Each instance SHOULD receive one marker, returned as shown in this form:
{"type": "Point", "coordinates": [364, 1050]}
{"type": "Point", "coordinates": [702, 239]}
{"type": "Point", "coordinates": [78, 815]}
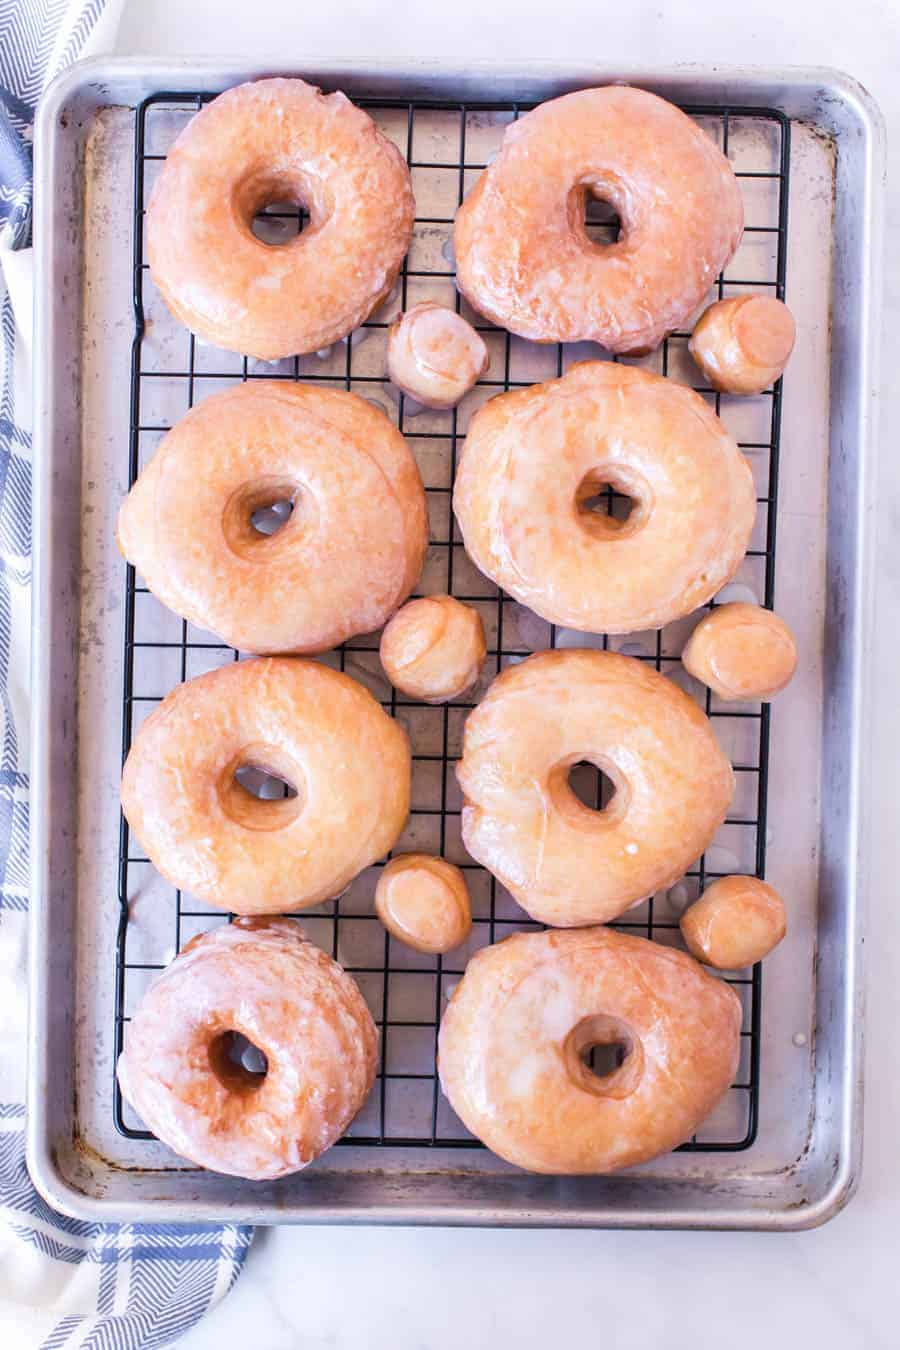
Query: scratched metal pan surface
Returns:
{"type": "Point", "coordinates": [796, 1161]}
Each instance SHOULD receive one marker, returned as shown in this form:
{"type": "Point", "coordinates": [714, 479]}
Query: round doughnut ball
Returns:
{"type": "Point", "coordinates": [434, 355]}
{"type": "Point", "coordinates": [424, 902]}
{"type": "Point", "coordinates": [564, 863]}
{"type": "Point", "coordinates": [278, 141]}
{"type": "Point", "coordinates": [313, 1037]}
{"type": "Point", "coordinates": [531, 493]}
{"type": "Point", "coordinates": [735, 923]}
{"type": "Point", "coordinates": [349, 552]}
{"type": "Point", "coordinates": [433, 649]}
{"type": "Point", "coordinates": [515, 1035]}
{"type": "Point", "coordinates": [317, 730]}
{"type": "Point", "coordinates": [525, 259]}
{"type": "Point", "coordinates": [742, 345]}
{"type": "Point", "coordinates": [741, 651]}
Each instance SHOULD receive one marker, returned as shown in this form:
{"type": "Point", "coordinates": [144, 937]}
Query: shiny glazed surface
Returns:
{"type": "Point", "coordinates": [312, 726]}
{"type": "Point", "coordinates": [435, 355]}
{"type": "Point", "coordinates": [524, 258]}
{"type": "Point", "coordinates": [347, 556]}
{"type": "Point", "coordinates": [424, 901]}
{"type": "Point", "coordinates": [741, 651]}
{"type": "Point", "coordinates": [533, 460]}
{"type": "Point", "coordinates": [742, 344]}
{"type": "Point", "coordinates": [735, 923]}
{"type": "Point", "coordinates": [564, 863]}
{"type": "Point", "coordinates": [265, 981]}
{"type": "Point", "coordinates": [527, 1010]}
{"type": "Point", "coordinates": [433, 648]}
{"type": "Point", "coordinates": [268, 141]}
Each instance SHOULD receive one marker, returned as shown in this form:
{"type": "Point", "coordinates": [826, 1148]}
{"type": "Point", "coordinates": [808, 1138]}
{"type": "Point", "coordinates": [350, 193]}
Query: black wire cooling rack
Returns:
{"type": "Point", "coordinates": [446, 144]}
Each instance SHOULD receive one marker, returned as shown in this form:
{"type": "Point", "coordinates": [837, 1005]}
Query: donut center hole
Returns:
{"type": "Point", "coordinates": [599, 498]}
{"type": "Point", "coordinates": [239, 1065]}
{"type": "Point", "coordinates": [277, 206]}
{"type": "Point", "coordinates": [602, 222]}
{"type": "Point", "coordinates": [268, 519]}
{"type": "Point", "coordinates": [263, 785]}
{"type": "Point", "coordinates": [611, 503]}
{"type": "Point", "coordinates": [605, 1059]}
{"type": "Point", "coordinates": [604, 1056]}
{"type": "Point", "coordinates": [258, 515]}
{"type": "Point", "coordinates": [278, 222]}
{"type": "Point", "coordinates": [261, 788]}
{"type": "Point", "coordinates": [589, 793]}
{"type": "Point", "coordinates": [590, 785]}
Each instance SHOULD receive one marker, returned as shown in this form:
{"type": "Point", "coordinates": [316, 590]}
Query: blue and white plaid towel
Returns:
{"type": "Point", "coordinates": [64, 1285]}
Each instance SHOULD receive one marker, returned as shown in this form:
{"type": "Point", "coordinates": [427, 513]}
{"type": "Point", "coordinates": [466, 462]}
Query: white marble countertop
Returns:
{"type": "Point", "coordinates": [435, 1288]}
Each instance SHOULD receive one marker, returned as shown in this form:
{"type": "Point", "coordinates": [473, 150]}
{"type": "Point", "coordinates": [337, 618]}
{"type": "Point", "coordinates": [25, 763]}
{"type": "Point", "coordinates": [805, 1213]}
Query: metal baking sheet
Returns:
{"type": "Point", "coordinates": [803, 1145]}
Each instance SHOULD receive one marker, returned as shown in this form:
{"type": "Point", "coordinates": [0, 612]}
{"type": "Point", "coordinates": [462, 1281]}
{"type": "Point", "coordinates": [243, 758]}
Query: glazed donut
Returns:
{"type": "Point", "coordinates": [524, 258]}
{"type": "Point", "coordinates": [564, 863]}
{"type": "Point", "coordinates": [742, 345]}
{"type": "Point", "coordinates": [312, 727]}
{"type": "Point", "coordinates": [318, 1043]}
{"type": "Point", "coordinates": [350, 552]}
{"type": "Point", "coordinates": [741, 652]}
{"type": "Point", "coordinates": [433, 648]}
{"type": "Point", "coordinates": [535, 458]}
{"type": "Point", "coordinates": [434, 355]}
{"type": "Point", "coordinates": [735, 923]}
{"type": "Point", "coordinates": [424, 902]}
{"type": "Point", "coordinates": [515, 1032]}
{"type": "Point", "coordinates": [278, 141]}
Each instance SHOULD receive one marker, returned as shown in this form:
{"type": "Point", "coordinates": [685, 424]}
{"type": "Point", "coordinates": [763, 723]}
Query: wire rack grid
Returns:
{"type": "Point", "coordinates": [447, 145]}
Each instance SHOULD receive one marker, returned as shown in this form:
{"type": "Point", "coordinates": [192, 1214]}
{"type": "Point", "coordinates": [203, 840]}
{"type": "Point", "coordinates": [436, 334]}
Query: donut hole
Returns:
{"type": "Point", "coordinates": [269, 519]}
{"type": "Point", "coordinates": [589, 792]}
{"type": "Point", "coordinates": [263, 785]}
{"type": "Point", "coordinates": [239, 1065]}
{"type": "Point", "coordinates": [604, 1056]}
{"type": "Point", "coordinates": [261, 788]}
{"type": "Point", "coordinates": [603, 1060]}
{"type": "Point", "coordinates": [277, 207]}
{"type": "Point", "coordinates": [605, 501]}
{"type": "Point", "coordinates": [264, 516]}
{"type": "Point", "coordinates": [592, 787]}
{"type": "Point", "coordinates": [612, 503]}
{"type": "Point", "coordinates": [602, 222]}
{"type": "Point", "coordinates": [279, 222]}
